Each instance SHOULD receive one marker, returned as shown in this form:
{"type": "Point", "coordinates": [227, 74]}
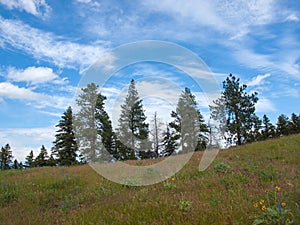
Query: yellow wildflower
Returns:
{"type": "Point", "coordinates": [263, 208]}
{"type": "Point", "coordinates": [255, 205]}
{"type": "Point", "coordinates": [277, 188]}
{"type": "Point", "coordinates": [173, 179]}
{"type": "Point", "coordinates": [262, 202]}
{"type": "Point", "coordinates": [283, 204]}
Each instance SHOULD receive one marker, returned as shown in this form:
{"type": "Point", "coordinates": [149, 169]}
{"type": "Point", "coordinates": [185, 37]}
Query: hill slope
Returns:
{"type": "Point", "coordinates": [223, 194]}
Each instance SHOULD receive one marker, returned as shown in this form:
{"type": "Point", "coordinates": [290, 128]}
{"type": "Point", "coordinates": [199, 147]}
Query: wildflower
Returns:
{"type": "Point", "coordinates": [263, 208]}
{"type": "Point", "coordinates": [173, 179]}
{"type": "Point", "coordinates": [277, 188]}
{"type": "Point", "coordinates": [255, 205]}
{"type": "Point", "coordinates": [262, 202]}
{"type": "Point", "coordinates": [283, 204]}
{"type": "Point", "coordinates": [279, 207]}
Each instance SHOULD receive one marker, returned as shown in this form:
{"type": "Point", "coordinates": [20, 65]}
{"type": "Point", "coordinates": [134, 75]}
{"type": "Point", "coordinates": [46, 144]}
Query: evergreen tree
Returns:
{"type": "Point", "coordinates": [282, 125]}
{"type": "Point", "coordinates": [188, 124]}
{"type": "Point", "coordinates": [239, 109]}
{"type": "Point", "coordinates": [41, 159]}
{"type": "Point", "coordinates": [105, 131]}
{"type": "Point", "coordinates": [15, 164]}
{"type": "Point", "coordinates": [169, 142]}
{"type": "Point", "coordinates": [133, 130]}
{"type": "Point", "coordinates": [65, 145]}
{"type": "Point", "coordinates": [294, 124]}
{"type": "Point", "coordinates": [268, 129]}
{"type": "Point", "coordinates": [85, 124]}
{"type": "Point", "coordinates": [29, 160]}
{"type": "Point", "coordinates": [5, 157]}
{"type": "Point", "coordinates": [255, 133]}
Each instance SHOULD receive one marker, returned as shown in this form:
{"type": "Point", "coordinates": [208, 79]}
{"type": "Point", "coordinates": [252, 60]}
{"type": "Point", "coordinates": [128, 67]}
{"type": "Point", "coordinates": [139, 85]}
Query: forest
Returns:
{"type": "Point", "coordinates": [88, 135]}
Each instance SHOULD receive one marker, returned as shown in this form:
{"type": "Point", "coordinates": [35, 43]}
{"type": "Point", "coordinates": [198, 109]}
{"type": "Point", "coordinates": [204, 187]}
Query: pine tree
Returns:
{"type": "Point", "coordinates": [87, 136]}
{"type": "Point", "coordinates": [15, 164]}
{"type": "Point", "coordinates": [169, 142]}
{"type": "Point", "coordinates": [133, 130]}
{"type": "Point", "coordinates": [105, 131]}
{"type": "Point", "coordinates": [255, 133]}
{"type": "Point", "coordinates": [238, 107]}
{"type": "Point", "coordinates": [29, 160]}
{"type": "Point", "coordinates": [41, 159]}
{"type": "Point", "coordinates": [65, 144]}
{"type": "Point", "coordinates": [282, 125]}
{"type": "Point", "coordinates": [188, 123]}
{"type": "Point", "coordinates": [268, 129]}
{"type": "Point", "coordinates": [295, 124]}
{"type": "Point", "coordinates": [5, 157]}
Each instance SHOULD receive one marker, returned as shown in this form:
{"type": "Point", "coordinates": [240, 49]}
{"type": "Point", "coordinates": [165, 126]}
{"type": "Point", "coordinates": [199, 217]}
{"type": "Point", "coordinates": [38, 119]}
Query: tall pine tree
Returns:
{"type": "Point", "coordinates": [29, 160]}
{"type": "Point", "coordinates": [239, 109]}
{"type": "Point", "coordinates": [268, 129]}
{"type": "Point", "coordinates": [85, 124]}
{"type": "Point", "coordinates": [105, 131]}
{"type": "Point", "coordinates": [65, 145]}
{"type": "Point", "coordinates": [5, 157]}
{"type": "Point", "coordinates": [133, 131]}
{"type": "Point", "coordinates": [188, 124]}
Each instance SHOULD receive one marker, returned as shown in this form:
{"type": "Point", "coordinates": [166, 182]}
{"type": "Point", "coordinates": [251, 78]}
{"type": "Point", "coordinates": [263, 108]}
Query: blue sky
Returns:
{"type": "Point", "coordinates": [46, 45]}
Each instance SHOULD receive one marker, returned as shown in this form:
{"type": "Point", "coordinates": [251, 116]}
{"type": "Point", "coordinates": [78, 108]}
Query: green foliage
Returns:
{"type": "Point", "coordinates": [84, 122]}
{"type": "Point", "coordinates": [273, 210]}
{"type": "Point", "coordinates": [29, 159]}
{"type": "Point", "coordinates": [65, 146]}
{"type": "Point", "coordinates": [8, 193]}
{"type": "Point", "coordinates": [105, 131]}
{"type": "Point", "coordinates": [5, 157]}
{"type": "Point", "coordinates": [42, 159]}
{"type": "Point", "coordinates": [169, 184]}
{"type": "Point", "coordinates": [222, 167]}
{"type": "Point", "coordinates": [237, 108]}
{"type": "Point", "coordinates": [133, 131]}
{"type": "Point", "coordinates": [185, 205]}
{"type": "Point", "coordinates": [188, 127]}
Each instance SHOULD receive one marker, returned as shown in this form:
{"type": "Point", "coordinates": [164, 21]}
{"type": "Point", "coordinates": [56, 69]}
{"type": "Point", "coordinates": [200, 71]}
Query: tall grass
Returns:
{"type": "Point", "coordinates": [223, 194]}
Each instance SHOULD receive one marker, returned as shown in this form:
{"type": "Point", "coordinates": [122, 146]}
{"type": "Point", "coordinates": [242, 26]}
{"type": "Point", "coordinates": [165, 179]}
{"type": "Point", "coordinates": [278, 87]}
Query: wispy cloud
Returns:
{"type": "Point", "coordinates": [47, 46]}
{"type": "Point", "coordinates": [258, 80]}
{"type": "Point", "coordinates": [38, 8]}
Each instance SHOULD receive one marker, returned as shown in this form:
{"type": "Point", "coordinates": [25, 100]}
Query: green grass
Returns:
{"type": "Point", "coordinates": [223, 194]}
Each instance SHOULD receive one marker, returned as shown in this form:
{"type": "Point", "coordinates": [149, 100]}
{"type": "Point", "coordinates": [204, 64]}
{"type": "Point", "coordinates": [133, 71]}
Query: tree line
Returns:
{"type": "Point", "coordinates": [88, 136]}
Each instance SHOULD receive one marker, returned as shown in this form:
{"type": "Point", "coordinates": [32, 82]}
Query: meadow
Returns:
{"type": "Point", "coordinates": [258, 183]}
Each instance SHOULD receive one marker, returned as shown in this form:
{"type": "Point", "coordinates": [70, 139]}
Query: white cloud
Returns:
{"type": "Point", "coordinates": [264, 105]}
{"type": "Point", "coordinates": [35, 99]}
{"type": "Point", "coordinates": [258, 80]}
{"type": "Point", "coordinates": [8, 90]}
{"type": "Point", "coordinates": [278, 62]}
{"type": "Point", "coordinates": [34, 7]}
{"type": "Point", "coordinates": [33, 75]}
{"type": "Point", "coordinates": [293, 18]}
{"type": "Point", "coordinates": [46, 46]}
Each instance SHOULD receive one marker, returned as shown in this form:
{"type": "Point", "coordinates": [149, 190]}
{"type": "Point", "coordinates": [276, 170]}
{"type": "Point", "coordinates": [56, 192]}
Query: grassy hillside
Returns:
{"type": "Point", "coordinates": [227, 193]}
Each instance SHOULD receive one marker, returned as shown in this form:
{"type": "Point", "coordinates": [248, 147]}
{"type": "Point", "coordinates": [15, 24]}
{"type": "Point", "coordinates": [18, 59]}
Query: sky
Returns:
{"type": "Point", "coordinates": [46, 46]}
